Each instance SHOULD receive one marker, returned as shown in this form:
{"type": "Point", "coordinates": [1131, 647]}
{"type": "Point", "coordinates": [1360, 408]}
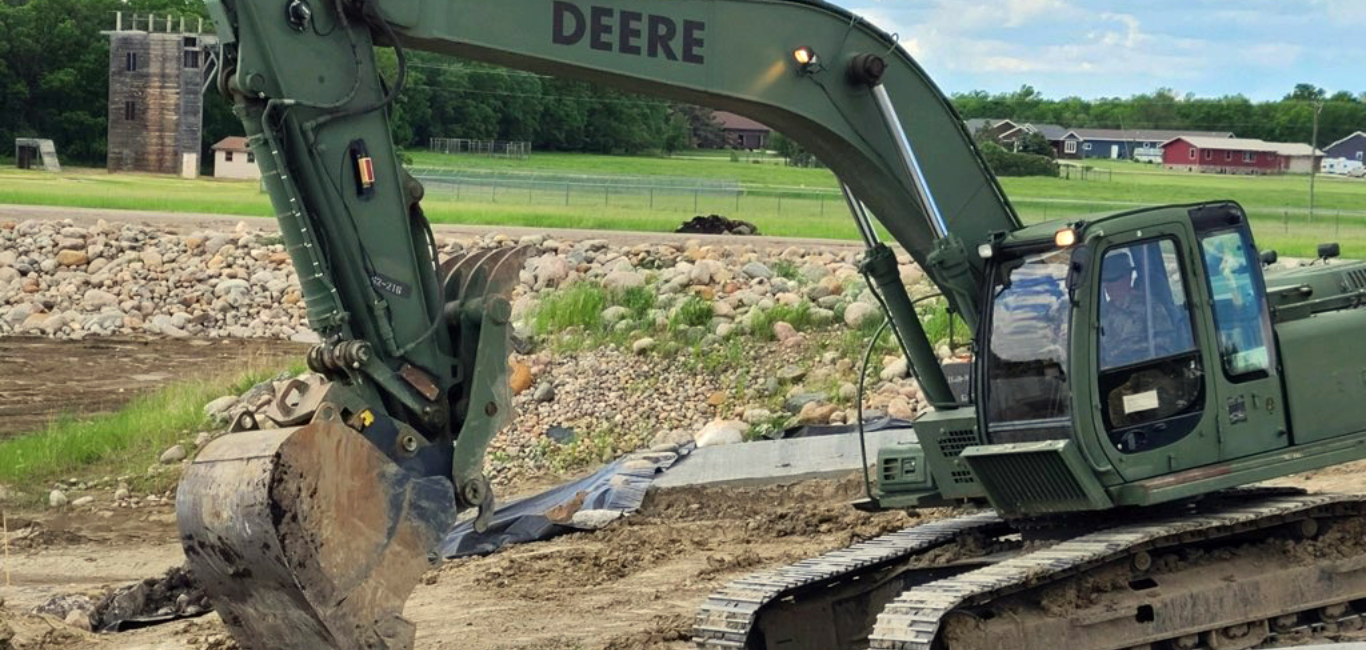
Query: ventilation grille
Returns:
{"type": "Point", "coordinates": [953, 443]}
{"type": "Point", "coordinates": [1030, 482]}
{"type": "Point", "coordinates": [891, 470]}
{"type": "Point", "coordinates": [1355, 279]}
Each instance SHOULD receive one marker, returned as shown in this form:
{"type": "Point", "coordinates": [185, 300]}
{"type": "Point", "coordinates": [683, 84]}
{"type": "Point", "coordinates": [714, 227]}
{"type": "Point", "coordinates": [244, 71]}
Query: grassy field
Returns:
{"type": "Point", "coordinates": [121, 443]}
{"type": "Point", "coordinates": [618, 192]}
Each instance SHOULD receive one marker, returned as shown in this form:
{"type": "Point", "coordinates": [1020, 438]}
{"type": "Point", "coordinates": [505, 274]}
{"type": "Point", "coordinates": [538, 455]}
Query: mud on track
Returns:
{"type": "Point", "coordinates": [42, 379]}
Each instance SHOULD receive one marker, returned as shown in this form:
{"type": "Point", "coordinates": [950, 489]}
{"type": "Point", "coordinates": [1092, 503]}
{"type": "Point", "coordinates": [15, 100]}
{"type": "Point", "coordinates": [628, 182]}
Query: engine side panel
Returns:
{"type": "Point", "coordinates": [1324, 366]}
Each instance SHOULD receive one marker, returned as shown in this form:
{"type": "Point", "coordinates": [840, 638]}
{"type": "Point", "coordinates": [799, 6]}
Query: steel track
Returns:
{"type": "Point", "coordinates": [737, 615]}
{"type": "Point", "coordinates": [1216, 620]}
{"type": "Point", "coordinates": [727, 620]}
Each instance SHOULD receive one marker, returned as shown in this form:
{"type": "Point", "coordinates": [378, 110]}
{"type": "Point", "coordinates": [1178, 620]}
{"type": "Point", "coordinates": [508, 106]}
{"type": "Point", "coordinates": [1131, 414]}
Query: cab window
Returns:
{"type": "Point", "coordinates": [1239, 312]}
{"type": "Point", "coordinates": [1151, 378]}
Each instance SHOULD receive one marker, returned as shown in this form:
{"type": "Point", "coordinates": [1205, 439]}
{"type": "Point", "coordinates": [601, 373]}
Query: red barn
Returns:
{"type": "Point", "coordinates": [1223, 155]}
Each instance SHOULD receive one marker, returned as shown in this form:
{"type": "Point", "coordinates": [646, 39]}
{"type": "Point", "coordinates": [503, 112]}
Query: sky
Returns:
{"type": "Point", "coordinates": [1108, 48]}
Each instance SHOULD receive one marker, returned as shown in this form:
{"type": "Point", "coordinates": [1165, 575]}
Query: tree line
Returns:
{"type": "Point", "coordinates": [1289, 119]}
{"type": "Point", "coordinates": [54, 84]}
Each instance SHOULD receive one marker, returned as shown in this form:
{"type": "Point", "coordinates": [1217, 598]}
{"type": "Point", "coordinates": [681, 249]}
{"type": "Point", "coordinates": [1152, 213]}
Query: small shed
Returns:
{"type": "Point", "coordinates": [27, 151]}
{"type": "Point", "coordinates": [742, 132]}
{"type": "Point", "coordinates": [232, 158]}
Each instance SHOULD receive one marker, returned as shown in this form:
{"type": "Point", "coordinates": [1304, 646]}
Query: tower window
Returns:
{"type": "Point", "coordinates": [191, 58]}
{"type": "Point", "coordinates": [130, 61]}
{"type": "Point", "coordinates": [130, 110]}
{"type": "Point", "coordinates": [191, 41]}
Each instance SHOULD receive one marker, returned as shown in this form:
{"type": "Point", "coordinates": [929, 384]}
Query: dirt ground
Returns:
{"type": "Point", "coordinates": [41, 378]}
{"type": "Point", "coordinates": [630, 587]}
{"type": "Point", "coordinates": [633, 586]}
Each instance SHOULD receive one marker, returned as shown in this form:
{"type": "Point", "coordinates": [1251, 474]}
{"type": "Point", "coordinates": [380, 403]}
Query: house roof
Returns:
{"type": "Point", "coordinates": [1049, 131]}
{"type": "Point", "coordinates": [1145, 135]}
{"type": "Point", "coordinates": [1357, 134]}
{"type": "Point", "coordinates": [1246, 144]}
{"type": "Point", "coordinates": [978, 123]}
{"type": "Point", "coordinates": [737, 122]}
{"type": "Point", "coordinates": [231, 143]}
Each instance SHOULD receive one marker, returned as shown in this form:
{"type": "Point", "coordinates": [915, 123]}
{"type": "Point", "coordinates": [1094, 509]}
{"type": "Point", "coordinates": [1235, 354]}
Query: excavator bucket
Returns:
{"type": "Point", "coordinates": [310, 538]}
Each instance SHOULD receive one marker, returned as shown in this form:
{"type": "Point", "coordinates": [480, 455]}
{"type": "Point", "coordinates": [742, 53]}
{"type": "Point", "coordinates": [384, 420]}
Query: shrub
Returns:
{"type": "Point", "coordinates": [1006, 163]}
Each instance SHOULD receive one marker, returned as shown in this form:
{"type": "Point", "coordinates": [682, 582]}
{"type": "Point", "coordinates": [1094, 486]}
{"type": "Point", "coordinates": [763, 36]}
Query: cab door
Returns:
{"type": "Point", "coordinates": [1247, 382]}
{"type": "Point", "coordinates": [1154, 402]}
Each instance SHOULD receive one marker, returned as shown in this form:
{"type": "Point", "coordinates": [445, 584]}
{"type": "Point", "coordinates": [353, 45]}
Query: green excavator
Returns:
{"type": "Point", "coordinates": [1133, 373]}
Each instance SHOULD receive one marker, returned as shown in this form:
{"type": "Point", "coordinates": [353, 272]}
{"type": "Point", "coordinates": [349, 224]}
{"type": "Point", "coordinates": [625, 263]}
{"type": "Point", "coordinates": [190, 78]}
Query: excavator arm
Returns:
{"type": "Point", "coordinates": [312, 534]}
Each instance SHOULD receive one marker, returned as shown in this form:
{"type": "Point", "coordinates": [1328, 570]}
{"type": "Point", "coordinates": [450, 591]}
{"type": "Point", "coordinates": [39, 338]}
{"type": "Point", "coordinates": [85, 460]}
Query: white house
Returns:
{"type": "Point", "coordinates": [232, 158]}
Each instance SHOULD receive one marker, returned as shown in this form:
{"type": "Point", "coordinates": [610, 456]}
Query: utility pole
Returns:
{"type": "Point", "coordinates": [1314, 157]}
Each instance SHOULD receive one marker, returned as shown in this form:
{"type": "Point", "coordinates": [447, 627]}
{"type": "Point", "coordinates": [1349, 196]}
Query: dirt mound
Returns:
{"type": "Point", "coordinates": [661, 630]}
{"type": "Point", "coordinates": [715, 224]}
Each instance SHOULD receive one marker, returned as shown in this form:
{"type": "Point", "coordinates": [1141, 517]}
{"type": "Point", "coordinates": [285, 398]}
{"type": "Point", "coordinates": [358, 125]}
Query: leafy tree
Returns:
{"type": "Point", "coordinates": [703, 128]}
{"type": "Point", "coordinates": [1035, 143]}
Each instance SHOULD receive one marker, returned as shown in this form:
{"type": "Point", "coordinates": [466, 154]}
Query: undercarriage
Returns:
{"type": "Point", "coordinates": [1234, 570]}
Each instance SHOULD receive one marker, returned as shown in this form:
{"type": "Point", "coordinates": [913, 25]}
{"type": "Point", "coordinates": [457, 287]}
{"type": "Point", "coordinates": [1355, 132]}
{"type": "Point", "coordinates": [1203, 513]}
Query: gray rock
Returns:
{"type": "Point", "coordinates": [173, 455]}
{"type": "Point", "coordinates": [757, 416]}
{"type": "Point", "coordinates": [79, 620]}
{"type": "Point", "coordinates": [757, 270]}
{"type": "Point", "coordinates": [794, 403]}
{"type": "Point", "coordinates": [56, 499]}
{"type": "Point", "coordinates": [594, 519]}
{"type": "Point", "coordinates": [721, 432]}
{"type": "Point", "coordinates": [791, 373]}
{"type": "Point", "coordinates": [545, 392]}
{"type": "Point", "coordinates": [83, 501]}
{"type": "Point", "coordinates": [615, 314]}
{"type": "Point", "coordinates": [202, 439]}
{"type": "Point", "coordinates": [231, 286]}
{"type": "Point", "coordinates": [217, 410]}
{"type": "Point", "coordinates": [121, 494]}
{"type": "Point", "coordinates": [856, 313]}
{"type": "Point", "coordinates": [894, 370]}
{"type": "Point", "coordinates": [642, 345]}
{"type": "Point", "coordinates": [623, 280]}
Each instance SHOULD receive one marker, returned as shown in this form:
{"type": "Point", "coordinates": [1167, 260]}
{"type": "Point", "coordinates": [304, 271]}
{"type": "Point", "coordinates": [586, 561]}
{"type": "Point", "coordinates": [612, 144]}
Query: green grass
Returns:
{"type": "Point", "coordinates": [780, 200]}
{"type": "Point", "coordinates": [692, 312]}
{"type": "Point", "coordinates": [577, 305]}
{"type": "Point", "coordinates": [123, 442]}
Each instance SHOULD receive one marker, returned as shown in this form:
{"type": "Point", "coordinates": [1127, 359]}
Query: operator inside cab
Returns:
{"type": "Point", "coordinates": [1134, 327]}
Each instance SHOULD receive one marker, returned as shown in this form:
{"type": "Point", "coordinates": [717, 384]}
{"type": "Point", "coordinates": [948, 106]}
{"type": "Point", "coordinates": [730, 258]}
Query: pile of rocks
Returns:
{"type": "Point", "coordinates": [62, 280]}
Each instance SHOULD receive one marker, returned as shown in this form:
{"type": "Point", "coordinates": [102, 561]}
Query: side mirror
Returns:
{"type": "Point", "coordinates": [1076, 270]}
{"type": "Point", "coordinates": [1269, 257]}
{"type": "Point", "coordinates": [1329, 250]}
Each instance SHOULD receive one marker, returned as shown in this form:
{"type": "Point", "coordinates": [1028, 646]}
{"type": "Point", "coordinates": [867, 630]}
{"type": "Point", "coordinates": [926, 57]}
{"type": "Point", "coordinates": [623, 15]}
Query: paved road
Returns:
{"type": "Point", "coordinates": [187, 222]}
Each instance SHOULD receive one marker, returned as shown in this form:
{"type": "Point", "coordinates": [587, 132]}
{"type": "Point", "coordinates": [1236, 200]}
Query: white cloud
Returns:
{"type": "Point", "coordinates": [1094, 48]}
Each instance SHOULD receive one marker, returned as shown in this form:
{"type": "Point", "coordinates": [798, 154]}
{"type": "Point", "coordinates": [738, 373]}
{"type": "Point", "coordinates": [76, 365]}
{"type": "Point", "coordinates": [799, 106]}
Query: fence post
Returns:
{"type": "Point", "coordinates": [606, 196]}
{"type": "Point", "coordinates": [495, 191]}
{"type": "Point", "coordinates": [694, 201]}
{"type": "Point", "coordinates": [1285, 219]}
{"type": "Point", "coordinates": [566, 193]}
{"type": "Point", "coordinates": [822, 205]}
{"type": "Point", "coordinates": [457, 190]}
{"type": "Point", "coordinates": [652, 197]}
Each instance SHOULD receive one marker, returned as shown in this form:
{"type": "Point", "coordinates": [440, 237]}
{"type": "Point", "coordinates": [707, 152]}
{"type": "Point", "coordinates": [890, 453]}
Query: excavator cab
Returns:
{"type": "Point", "coordinates": [1098, 376]}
